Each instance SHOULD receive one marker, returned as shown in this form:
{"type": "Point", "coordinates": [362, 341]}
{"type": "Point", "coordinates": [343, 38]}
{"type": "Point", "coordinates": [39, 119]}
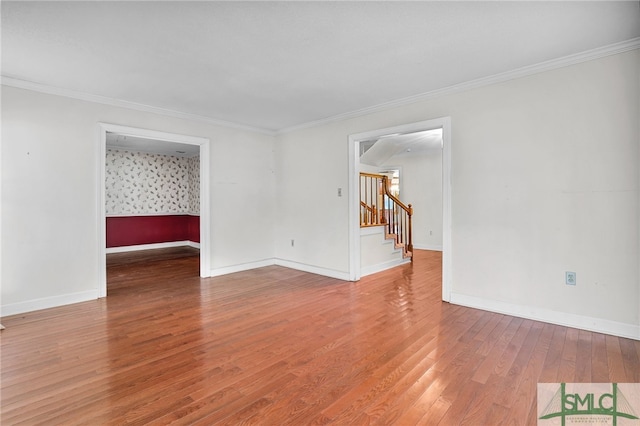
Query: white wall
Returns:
{"type": "Point", "coordinates": [366, 168]}
{"type": "Point", "coordinates": [378, 253]}
{"type": "Point", "coordinates": [544, 180]}
{"type": "Point", "coordinates": [421, 183]}
{"type": "Point", "coordinates": [309, 171]}
{"type": "Point", "coordinates": [49, 187]}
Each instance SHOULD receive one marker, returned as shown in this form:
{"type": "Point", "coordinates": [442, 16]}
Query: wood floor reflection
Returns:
{"type": "Point", "coordinates": [276, 346]}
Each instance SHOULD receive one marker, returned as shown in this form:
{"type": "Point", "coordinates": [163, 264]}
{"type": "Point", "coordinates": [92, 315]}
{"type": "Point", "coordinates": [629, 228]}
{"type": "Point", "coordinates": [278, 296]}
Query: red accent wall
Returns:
{"type": "Point", "coordinates": [193, 228]}
{"type": "Point", "coordinates": [135, 230]}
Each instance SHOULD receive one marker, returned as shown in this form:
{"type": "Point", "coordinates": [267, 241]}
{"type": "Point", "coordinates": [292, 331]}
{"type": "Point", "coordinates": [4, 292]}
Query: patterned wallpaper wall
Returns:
{"type": "Point", "coordinates": [139, 183]}
{"type": "Point", "coordinates": [193, 173]}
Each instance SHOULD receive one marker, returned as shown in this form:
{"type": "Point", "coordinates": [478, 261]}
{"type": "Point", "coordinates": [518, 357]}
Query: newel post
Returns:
{"type": "Point", "coordinates": [383, 193]}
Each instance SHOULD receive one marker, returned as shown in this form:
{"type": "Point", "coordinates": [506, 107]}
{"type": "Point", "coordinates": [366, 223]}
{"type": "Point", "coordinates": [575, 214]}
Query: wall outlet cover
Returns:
{"type": "Point", "coordinates": [570, 278]}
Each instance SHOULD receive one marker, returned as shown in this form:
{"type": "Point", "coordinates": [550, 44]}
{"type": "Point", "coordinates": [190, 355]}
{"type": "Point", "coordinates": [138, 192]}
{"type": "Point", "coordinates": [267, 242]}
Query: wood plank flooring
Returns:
{"type": "Point", "coordinates": [275, 346]}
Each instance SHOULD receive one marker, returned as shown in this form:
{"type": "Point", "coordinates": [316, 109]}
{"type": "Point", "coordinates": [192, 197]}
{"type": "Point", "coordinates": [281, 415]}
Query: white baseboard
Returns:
{"type": "Point", "coordinates": [313, 269]}
{"type": "Point", "coordinates": [427, 247]}
{"type": "Point", "coordinates": [280, 262]}
{"type": "Point", "coordinates": [152, 214]}
{"type": "Point", "coordinates": [241, 267]}
{"type": "Point", "coordinates": [630, 331]}
{"type": "Point", "coordinates": [152, 246]}
{"type": "Point", "coordinates": [47, 302]}
{"type": "Point", "coordinates": [368, 270]}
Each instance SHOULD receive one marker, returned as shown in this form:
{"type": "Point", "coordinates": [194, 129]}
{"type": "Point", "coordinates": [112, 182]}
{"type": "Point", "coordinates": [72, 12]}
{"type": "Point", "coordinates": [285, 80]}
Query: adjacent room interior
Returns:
{"type": "Point", "coordinates": [152, 199]}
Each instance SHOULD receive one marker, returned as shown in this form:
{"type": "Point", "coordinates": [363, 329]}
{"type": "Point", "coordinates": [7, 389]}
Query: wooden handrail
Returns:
{"type": "Point", "coordinates": [387, 188]}
{"type": "Point", "coordinates": [373, 175]}
{"type": "Point", "coordinates": [363, 204]}
{"type": "Point", "coordinates": [370, 215]}
{"type": "Point", "coordinates": [385, 179]}
{"type": "Point", "coordinates": [375, 190]}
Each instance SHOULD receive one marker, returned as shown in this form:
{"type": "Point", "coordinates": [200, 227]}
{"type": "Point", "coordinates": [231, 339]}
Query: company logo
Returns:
{"type": "Point", "coordinates": [588, 403]}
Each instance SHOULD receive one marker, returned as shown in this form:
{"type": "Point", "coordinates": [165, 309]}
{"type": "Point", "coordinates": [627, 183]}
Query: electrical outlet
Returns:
{"type": "Point", "coordinates": [570, 278]}
{"type": "Point", "coordinates": [292, 242]}
{"type": "Point", "coordinates": [339, 192]}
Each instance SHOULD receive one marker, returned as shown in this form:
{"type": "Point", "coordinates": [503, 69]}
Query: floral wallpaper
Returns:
{"type": "Point", "coordinates": [139, 183]}
{"type": "Point", "coordinates": [193, 164]}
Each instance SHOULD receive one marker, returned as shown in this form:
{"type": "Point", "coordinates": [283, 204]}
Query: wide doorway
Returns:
{"type": "Point", "coordinates": [371, 148]}
{"type": "Point", "coordinates": [153, 189]}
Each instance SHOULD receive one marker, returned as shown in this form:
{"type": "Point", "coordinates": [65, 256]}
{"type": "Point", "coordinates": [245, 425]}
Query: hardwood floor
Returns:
{"type": "Point", "coordinates": [276, 346]}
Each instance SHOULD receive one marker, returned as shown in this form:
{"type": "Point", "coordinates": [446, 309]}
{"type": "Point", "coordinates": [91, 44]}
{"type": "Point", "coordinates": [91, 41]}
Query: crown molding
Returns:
{"type": "Point", "coordinates": [67, 93]}
{"type": "Point", "coordinates": [577, 58]}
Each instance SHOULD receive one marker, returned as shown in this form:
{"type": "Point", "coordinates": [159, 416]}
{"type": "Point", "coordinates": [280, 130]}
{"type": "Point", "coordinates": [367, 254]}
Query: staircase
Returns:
{"type": "Point", "coordinates": [379, 207]}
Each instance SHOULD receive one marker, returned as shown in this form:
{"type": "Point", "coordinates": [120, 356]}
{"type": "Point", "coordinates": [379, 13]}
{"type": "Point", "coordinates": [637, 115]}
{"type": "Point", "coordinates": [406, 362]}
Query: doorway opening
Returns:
{"type": "Point", "coordinates": [394, 174]}
{"type": "Point", "coordinates": [156, 155]}
{"type": "Point", "coordinates": [364, 145]}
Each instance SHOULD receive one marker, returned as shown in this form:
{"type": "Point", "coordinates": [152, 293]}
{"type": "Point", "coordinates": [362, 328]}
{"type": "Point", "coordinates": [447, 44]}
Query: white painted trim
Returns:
{"type": "Point", "coordinates": [372, 269]}
{"type": "Point", "coordinates": [574, 59]}
{"type": "Point", "coordinates": [67, 93]}
{"type": "Point", "coordinates": [101, 209]}
{"type": "Point", "coordinates": [313, 269]}
{"type": "Point", "coordinates": [447, 228]}
{"type": "Point", "coordinates": [354, 207]}
{"type": "Point", "coordinates": [427, 247]}
{"type": "Point", "coordinates": [1, 239]}
{"type": "Point", "coordinates": [48, 302]}
{"type": "Point", "coordinates": [205, 207]}
{"type": "Point", "coordinates": [280, 262]}
{"type": "Point", "coordinates": [630, 331]}
{"type": "Point", "coordinates": [138, 247]}
{"type": "Point", "coordinates": [354, 203]}
{"type": "Point", "coordinates": [241, 267]}
{"type": "Point", "coordinates": [152, 214]}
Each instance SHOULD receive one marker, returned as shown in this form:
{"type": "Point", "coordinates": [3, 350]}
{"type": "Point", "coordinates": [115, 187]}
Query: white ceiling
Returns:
{"type": "Point", "coordinates": [275, 65]}
{"type": "Point", "coordinates": [417, 143]}
{"type": "Point", "coordinates": [133, 143]}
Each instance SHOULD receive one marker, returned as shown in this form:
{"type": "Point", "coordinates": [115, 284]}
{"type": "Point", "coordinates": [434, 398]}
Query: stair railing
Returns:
{"type": "Point", "coordinates": [378, 206]}
{"type": "Point", "coordinates": [368, 215]}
